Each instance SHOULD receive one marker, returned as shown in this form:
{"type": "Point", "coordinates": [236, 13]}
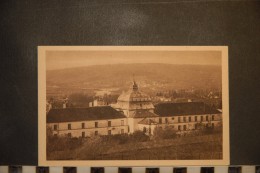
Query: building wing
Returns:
{"type": "Point", "coordinates": [83, 114]}
{"type": "Point", "coordinates": [188, 108]}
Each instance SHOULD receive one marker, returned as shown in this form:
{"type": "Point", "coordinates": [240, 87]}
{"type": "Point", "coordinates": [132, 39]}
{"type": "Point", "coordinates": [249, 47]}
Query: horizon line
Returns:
{"type": "Point", "coordinates": [132, 64]}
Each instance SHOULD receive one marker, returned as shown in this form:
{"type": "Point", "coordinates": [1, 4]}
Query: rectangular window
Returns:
{"type": "Point", "coordinates": [207, 118]}
{"type": "Point", "coordinates": [83, 125]}
{"type": "Point", "coordinates": [69, 135]}
{"type": "Point", "coordinates": [55, 127]}
{"type": "Point", "coordinates": [83, 134]}
{"type": "Point", "coordinates": [109, 124]}
{"type": "Point", "coordinates": [160, 120]}
{"type": "Point", "coordinates": [184, 127]}
{"type": "Point", "coordinates": [166, 120]}
{"type": "Point", "coordinates": [96, 124]}
{"type": "Point", "coordinates": [179, 127]}
{"type": "Point", "coordinates": [184, 119]}
{"type": "Point", "coordinates": [109, 132]}
{"type": "Point", "coordinates": [172, 118]}
{"type": "Point", "coordinates": [122, 131]}
{"type": "Point", "coordinates": [179, 119]}
{"type": "Point", "coordinates": [213, 117]}
{"type": "Point", "coordinates": [122, 122]}
{"type": "Point", "coordinates": [196, 118]}
{"type": "Point", "coordinates": [201, 118]}
{"type": "Point", "coordinates": [69, 126]}
{"type": "Point", "coordinates": [189, 119]}
{"type": "Point", "coordinates": [144, 129]}
{"type": "Point", "coordinates": [96, 132]}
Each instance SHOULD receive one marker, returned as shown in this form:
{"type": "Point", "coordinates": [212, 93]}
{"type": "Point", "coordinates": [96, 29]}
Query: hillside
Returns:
{"type": "Point", "coordinates": [152, 76]}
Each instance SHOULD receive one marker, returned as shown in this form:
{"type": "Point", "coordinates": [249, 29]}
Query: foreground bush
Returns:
{"type": "Point", "coordinates": [166, 133]}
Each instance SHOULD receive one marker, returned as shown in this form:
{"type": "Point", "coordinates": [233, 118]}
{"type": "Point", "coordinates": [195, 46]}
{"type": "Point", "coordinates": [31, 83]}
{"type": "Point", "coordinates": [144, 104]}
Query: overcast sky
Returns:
{"type": "Point", "coordinates": [69, 59]}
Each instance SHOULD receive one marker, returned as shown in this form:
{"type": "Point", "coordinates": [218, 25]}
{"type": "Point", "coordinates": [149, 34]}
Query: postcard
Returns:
{"type": "Point", "coordinates": [133, 105]}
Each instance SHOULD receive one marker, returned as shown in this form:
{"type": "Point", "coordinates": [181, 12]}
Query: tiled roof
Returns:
{"type": "Point", "coordinates": [143, 114]}
{"type": "Point", "coordinates": [147, 121]}
{"type": "Point", "coordinates": [190, 108]}
{"type": "Point", "coordinates": [83, 114]}
{"type": "Point", "coordinates": [134, 95]}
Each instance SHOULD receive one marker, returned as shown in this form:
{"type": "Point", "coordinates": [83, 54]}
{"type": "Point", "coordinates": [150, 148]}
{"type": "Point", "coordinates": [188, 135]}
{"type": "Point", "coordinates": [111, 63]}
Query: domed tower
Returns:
{"type": "Point", "coordinates": [137, 106]}
{"type": "Point", "coordinates": [134, 101]}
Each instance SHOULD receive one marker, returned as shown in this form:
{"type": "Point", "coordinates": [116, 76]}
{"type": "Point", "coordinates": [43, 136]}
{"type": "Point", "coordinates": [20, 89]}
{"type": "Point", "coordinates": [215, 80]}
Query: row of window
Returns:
{"type": "Point", "coordinates": [166, 120]}
{"type": "Point", "coordinates": [184, 127]}
{"type": "Point", "coordinates": [109, 132]}
{"type": "Point", "coordinates": [188, 119]}
{"type": "Point", "coordinates": [83, 126]}
{"type": "Point", "coordinates": [140, 99]}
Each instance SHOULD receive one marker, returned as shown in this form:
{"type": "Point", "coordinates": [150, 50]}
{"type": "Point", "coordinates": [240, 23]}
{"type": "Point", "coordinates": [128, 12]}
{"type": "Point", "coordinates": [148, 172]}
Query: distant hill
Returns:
{"type": "Point", "coordinates": [147, 75]}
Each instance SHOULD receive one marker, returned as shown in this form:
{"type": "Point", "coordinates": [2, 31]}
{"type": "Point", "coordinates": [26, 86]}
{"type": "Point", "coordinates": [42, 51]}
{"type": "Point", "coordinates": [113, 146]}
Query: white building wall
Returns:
{"type": "Point", "coordinates": [102, 127]}
{"type": "Point", "coordinates": [189, 121]}
{"type": "Point", "coordinates": [152, 127]}
{"type": "Point", "coordinates": [129, 125]}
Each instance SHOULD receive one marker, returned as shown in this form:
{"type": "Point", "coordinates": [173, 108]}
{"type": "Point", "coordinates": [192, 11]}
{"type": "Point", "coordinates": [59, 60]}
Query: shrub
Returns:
{"type": "Point", "coordinates": [61, 143]}
{"type": "Point", "coordinates": [116, 139]}
{"type": "Point", "coordinates": [139, 136]}
{"type": "Point", "coordinates": [166, 133]}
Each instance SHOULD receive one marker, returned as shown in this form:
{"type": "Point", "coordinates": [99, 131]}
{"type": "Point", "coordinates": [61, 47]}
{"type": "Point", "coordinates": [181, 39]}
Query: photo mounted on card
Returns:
{"type": "Point", "coordinates": [133, 105]}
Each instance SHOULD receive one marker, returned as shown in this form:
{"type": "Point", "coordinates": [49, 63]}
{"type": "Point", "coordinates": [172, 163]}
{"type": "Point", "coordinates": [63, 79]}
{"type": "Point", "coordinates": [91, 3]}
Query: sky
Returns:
{"type": "Point", "coordinates": [69, 59]}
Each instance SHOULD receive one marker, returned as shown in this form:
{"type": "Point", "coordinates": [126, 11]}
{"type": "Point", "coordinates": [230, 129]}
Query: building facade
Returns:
{"type": "Point", "coordinates": [133, 111]}
{"type": "Point", "coordinates": [83, 122]}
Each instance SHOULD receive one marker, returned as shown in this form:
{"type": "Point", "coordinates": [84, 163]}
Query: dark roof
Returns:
{"type": "Point", "coordinates": [143, 114]}
{"type": "Point", "coordinates": [188, 108]}
{"type": "Point", "coordinates": [83, 114]}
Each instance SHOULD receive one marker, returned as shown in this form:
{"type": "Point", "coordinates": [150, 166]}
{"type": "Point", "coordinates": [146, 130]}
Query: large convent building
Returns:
{"type": "Point", "coordinates": [133, 111]}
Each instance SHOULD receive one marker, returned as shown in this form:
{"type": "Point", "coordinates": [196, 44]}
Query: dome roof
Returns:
{"type": "Point", "coordinates": [134, 95]}
{"type": "Point", "coordinates": [135, 100]}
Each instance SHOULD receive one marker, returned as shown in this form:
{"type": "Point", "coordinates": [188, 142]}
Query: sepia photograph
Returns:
{"type": "Point", "coordinates": [133, 105]}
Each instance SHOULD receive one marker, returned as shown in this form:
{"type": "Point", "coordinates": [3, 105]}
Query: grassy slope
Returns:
{"type": "Point", "coordinates": [197, 147]}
